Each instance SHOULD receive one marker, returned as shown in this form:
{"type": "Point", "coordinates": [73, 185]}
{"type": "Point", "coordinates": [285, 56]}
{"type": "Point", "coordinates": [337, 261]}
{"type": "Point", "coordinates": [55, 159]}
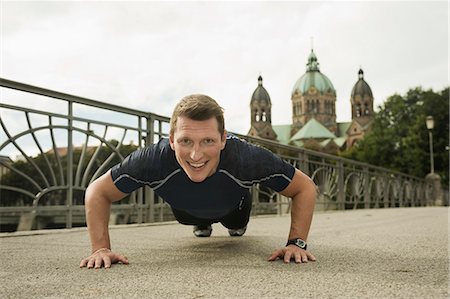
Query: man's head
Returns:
{"type": "Point", "coordinates": [197, 135]}
{"type": "Point", "coordinates": [198, 107]}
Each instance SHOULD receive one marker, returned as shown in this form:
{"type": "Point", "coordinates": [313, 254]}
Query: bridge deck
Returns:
{"type": "Point", "coordinates": [383, 253]}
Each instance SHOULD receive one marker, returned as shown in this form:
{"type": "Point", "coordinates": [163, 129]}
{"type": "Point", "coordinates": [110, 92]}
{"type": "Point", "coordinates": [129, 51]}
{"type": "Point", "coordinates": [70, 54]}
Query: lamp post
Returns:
{"type": "Point", "coordinates": [433, 178]}
{"type": "Point", "coordinates": [430, 126]}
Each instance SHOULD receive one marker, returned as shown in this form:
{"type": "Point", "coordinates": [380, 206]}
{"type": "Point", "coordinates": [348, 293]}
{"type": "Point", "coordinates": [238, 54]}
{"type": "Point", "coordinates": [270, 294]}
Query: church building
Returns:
{"type": "Point", "coordinates": [260, 110]}
{"type": "Point", "coordinates": [314, 113]}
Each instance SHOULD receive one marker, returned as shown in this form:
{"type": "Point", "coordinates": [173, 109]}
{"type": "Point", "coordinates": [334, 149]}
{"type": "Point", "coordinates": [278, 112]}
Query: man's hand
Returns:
{"type": "Point", "coordinates": [103, 257]}
{"type": "Point", "coordinates": [292, 252]}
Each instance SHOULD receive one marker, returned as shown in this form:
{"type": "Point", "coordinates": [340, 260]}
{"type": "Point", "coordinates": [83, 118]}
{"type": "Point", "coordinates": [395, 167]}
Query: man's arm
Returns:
{"type": "Point", "coordinates": [99, 196]}
{"type": "Point", "coordinates": [303, 192]}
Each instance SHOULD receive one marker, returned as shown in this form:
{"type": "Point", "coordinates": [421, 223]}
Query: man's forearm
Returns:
{"type": "Point", "coordinates": [97, 219]}
{"type": "Point", "coordinates": [302, 212]}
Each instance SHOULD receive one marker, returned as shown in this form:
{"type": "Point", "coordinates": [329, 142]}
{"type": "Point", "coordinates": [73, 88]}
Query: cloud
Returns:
{"type": "Point", "coordinates": [147, 55]}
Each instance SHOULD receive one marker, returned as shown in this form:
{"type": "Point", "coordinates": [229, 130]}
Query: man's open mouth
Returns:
{"type": "Point", "coordinates": [197, 165]}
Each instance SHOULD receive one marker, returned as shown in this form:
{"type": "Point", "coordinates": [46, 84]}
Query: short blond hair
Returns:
{"type": "Point", "coordinates": [198, 107]}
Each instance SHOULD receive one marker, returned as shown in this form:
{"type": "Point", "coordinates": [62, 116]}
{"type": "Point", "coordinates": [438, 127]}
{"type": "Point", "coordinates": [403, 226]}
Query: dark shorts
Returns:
{"type": "Point", "coordinates": [234, 220]}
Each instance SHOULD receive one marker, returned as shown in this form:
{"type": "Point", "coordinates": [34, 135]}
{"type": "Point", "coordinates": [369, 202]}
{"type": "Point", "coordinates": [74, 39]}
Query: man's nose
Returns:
{"type": "Point", "coordinates": [196, 153]}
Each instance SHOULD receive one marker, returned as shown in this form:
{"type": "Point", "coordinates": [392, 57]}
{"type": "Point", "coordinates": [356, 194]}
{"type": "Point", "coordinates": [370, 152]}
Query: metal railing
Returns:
{"type": "Point", "coordinates": [59, 152]}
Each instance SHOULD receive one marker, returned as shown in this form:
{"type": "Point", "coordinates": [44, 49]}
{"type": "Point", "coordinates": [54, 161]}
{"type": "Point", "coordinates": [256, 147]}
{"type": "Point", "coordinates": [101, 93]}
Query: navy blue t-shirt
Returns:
{"type": "Point", "coordinates": [241, 165]}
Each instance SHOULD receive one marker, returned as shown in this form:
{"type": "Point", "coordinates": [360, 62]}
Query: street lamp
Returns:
{"type": "Point", "coordinates": [430, 126]}
{"type": "Point", "coordinates": [433, 178]}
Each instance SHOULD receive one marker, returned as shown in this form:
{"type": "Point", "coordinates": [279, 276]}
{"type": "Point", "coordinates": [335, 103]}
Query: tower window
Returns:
{"type": "Point", "coordinates": [358, 110]}
{"type": "Point", "coordinates": [366, 109]}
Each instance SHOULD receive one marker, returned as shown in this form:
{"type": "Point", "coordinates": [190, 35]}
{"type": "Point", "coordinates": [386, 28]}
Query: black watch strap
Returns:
{"type": "Point", "coordinates": [297, 242]}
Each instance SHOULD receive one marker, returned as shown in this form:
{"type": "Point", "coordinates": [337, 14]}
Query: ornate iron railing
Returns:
{"type": "Point", "coordinates": [67, 142]}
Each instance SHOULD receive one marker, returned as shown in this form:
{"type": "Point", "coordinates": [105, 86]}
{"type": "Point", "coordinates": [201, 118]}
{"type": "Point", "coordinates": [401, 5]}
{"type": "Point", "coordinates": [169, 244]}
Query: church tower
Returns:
{"type": "Point", "coordinates": [313, 96]}
{"type": "Point", "coordinates": [361, 100]}
{"type": "Point", "coordinates": [260, 113]}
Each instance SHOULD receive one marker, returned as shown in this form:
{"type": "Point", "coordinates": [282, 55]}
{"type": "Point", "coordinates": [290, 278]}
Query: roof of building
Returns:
{"type": "Point", "coordinates": [340, 141]}
{"type": "Point", "coordinates": [364, 122]}
{"type": "Point", "coordinates": [342, 128]}
{"type": "Point", "coordinates": [313, 129]}
{"type": "Point", "coordinates": [325, 142]}
{"type": "Point", "coordinates": [313, 78]}
{"type": "Point", "coordinates": [260, 94]}
{"type": "Point", "coordinates": [298, 143]}
{"type": "Point", "coordinates": [283, 133]}
{"type": "Point", "coordinates": [361, 87]}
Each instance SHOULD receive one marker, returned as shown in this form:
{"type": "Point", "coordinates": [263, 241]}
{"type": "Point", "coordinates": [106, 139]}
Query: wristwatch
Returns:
{"type": "Point", "coordinates": [297, 242]}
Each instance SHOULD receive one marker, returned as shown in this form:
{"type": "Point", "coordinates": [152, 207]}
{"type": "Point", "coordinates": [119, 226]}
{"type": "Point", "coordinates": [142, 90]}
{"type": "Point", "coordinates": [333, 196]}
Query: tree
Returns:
{"type": "Point", "coordinates": [398, 138]}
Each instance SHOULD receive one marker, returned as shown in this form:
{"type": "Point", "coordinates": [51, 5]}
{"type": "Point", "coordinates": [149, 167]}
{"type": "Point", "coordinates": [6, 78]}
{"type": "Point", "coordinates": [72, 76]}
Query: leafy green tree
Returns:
{"type": "Point", "coordinates": [398, 138]}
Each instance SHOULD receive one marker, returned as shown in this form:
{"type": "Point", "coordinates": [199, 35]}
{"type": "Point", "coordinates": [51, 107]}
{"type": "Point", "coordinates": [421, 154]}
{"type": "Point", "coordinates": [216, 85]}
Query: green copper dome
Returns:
{"type": "Point", "coordinates": [313, 78]}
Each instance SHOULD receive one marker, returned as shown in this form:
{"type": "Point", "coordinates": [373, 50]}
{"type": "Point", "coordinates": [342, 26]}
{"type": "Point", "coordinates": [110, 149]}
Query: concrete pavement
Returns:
{"type": "Point", "coordinates": [382, 253]}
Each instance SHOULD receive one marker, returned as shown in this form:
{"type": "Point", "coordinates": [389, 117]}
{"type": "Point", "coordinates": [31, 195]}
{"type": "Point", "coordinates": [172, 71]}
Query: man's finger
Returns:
{"type": "Point", "coordinates": [83, 263]}
{"type": "Point", "coordinates": [98, 262]}
{"type": "Point", "coordinates": [277, 253]}
{"type": "Point", "coordinates": [123, 259]}
{"type": "Point", "coordinates": [311, 257]}
{"type": "Point", "coordinates": [298, 257]}
{"type": "Point", "coordinates": [287, 256]}
{"type": "Point", "coordinates": [273, 257]}
{"type": "Point", "coordinates": [90, 263]}
{"type": "Point", "coordinates": [107, 262]}
{"type": "Point", "coordinates": [304, 257]}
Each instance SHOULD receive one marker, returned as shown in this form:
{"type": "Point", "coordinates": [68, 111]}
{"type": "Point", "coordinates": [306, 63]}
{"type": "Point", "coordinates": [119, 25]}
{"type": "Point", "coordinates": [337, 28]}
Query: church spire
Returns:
{"type": "Point", "coordinates": [260, 79]}
{"type": "Point", "coordinates": [260, 113]}
{"type": "Point", "coordinates": [313, 64]}
{"type": "Point", "coordinates": [361, 74]}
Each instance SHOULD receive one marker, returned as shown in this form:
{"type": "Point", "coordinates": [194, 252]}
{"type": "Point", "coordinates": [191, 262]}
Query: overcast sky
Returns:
{"type": "Point", "coordinates": [147, 55]}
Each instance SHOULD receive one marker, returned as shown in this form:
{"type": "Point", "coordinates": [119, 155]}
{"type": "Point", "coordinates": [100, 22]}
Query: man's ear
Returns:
{"type": "Point", "coordinates": [171, 142]}
{"type": "Point", "coordinates": [224, 139]}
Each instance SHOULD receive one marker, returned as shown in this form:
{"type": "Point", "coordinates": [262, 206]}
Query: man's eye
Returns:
{"type": "Point", "coordinates": [209, 141]}
{"type": "Point", "coordinates": [185, 141]}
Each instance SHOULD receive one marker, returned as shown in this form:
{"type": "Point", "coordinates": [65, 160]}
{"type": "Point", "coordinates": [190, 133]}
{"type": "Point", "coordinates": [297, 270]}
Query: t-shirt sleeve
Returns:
{"type": "Point", "coordinates": [143, 167]}
{"type": "Point", "coordinates": [129, 174]}
{"type": "Point", "coordinates": [259, 165]}
{"type": "Point", "coordinates": [275, 173]}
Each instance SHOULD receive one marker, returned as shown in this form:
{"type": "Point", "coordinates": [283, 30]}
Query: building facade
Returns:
{"type": "Point", "coordinates": [314, 112]}
{"type": "Point", "coordinates": [313, 96]}
{"type": "Point", "coordinates": [261, 113]}
{"type": "Point", "coordinates": [362, 110]}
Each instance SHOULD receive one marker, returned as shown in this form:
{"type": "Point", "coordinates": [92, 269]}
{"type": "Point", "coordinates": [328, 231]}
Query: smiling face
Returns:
{"type": "Point", "coordinates": [197, 145]}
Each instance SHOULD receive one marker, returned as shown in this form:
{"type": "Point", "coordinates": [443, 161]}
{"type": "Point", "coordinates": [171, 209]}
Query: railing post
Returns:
{"type": "Point", "coordinates": [150, 132]}
{"type": "Point", "coordinates": [69, 193]}
{"type": "Point", "coordinates": [389, 188]}
{"type": "Point", "coordinates": [367, 191]}
{"type": "Point", "coordinates": [401, 193]}
{"type": "Point", "coordinates": [161, 209]}
{"type": "Point", "coordinates": [140, 192]}
{"type": "Point", "coordinates": [340, 183]}
{"type": "Point", "coordinates": [255, 200]}
{"type": "Point", "coordinates": [139, 206]}
{"type": "Point", "coordinates": [434, 180]}
{"type": "Point", "coordinates": [150, 197]}
{"type": "Point", "coordinates": [304, 162]}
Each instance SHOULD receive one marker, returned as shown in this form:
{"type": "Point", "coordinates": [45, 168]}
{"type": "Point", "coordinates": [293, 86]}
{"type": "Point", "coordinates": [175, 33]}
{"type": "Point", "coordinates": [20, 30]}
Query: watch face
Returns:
{"type": "Point", "coordinates": [300, 243]}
